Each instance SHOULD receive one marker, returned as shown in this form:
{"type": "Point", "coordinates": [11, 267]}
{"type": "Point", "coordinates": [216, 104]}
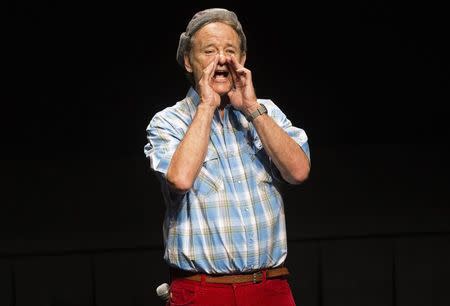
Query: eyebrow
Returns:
{"type": "Point", "coordinates": [213, 45]}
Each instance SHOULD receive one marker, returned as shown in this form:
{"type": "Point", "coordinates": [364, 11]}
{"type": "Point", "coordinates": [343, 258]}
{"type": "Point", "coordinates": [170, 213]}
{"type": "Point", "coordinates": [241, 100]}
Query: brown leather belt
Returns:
{"type": "Point", "coordinates": [254, 277]}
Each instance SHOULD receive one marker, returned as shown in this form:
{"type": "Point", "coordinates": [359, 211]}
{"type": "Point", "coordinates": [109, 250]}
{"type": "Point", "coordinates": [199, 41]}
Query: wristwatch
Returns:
{"type": "Point", "coordinates": [259, 111]}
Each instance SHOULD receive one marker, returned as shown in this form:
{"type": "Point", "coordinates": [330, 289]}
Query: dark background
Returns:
{"type": "Point", "coordinates": [367, 80]}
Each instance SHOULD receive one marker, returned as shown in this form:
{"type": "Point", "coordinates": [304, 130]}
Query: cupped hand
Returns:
{"type": "Point", "coordinates": [205, 91]}
{"type": "Point", "coordinates": [242, 96]}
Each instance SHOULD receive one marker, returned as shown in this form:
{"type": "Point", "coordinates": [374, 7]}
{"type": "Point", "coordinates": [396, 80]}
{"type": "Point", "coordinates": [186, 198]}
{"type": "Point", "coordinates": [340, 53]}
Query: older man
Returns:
{"type": "Point", "coordinates": [220, 154]}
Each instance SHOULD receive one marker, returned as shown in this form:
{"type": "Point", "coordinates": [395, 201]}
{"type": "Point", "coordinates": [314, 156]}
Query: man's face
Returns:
{"type": "Point", "coordinates": [214, 38]}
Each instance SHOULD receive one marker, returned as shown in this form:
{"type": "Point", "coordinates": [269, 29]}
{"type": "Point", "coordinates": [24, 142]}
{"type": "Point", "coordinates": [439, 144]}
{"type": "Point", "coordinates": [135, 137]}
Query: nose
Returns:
{"type": "Point", "coordinates": [222, 59]}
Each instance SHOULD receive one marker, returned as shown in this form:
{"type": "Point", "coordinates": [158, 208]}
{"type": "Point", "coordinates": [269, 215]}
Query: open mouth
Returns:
{"type": "Point", "coordinates": [221, 74]}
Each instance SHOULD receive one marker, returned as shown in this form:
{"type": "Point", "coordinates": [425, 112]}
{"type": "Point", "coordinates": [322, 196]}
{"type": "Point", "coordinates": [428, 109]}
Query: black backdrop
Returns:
{"type": "Point", "coordinates": [367, 80]}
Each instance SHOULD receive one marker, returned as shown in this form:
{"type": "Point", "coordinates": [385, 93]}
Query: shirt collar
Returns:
{"type": "Point", "coordinates": [193, 96]}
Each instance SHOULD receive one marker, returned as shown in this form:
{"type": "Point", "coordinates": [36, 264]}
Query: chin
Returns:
{"type": "Point", "coordinates": [222, 89]}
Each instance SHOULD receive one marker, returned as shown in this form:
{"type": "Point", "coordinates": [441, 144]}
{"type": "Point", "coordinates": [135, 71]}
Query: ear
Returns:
{"type": "Point", "coordinates": [187, 63]}
{"type": "Point", "coordinates": [243, 58]}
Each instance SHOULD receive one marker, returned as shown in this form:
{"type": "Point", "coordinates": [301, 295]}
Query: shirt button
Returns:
{"type": "Point", "coordinates": [246, 209]}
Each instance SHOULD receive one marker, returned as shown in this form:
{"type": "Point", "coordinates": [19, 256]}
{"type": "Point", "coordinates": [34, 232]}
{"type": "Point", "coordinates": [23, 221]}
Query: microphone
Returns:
{"type": "Point", "coordinates": [163, 291]}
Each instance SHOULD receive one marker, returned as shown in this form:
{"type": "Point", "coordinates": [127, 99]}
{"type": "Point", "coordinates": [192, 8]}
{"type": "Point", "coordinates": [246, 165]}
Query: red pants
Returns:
{"type": "Point", "coordinates": [270, 292]}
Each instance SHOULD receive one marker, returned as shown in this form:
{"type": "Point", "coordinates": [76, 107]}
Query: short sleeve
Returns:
{"type": "Point", "coordinates": [163, 139]}
{"type": "Point", "coordinates": [296, 133]}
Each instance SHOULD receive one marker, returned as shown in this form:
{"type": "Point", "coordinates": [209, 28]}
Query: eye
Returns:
{"type": "Point", "coordinates": [209, 51]}
{"type": "Point", "coordinates": [231, 51]}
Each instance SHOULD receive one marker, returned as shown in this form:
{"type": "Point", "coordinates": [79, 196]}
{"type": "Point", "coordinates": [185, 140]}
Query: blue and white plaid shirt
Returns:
{"type": "Point", "coordinates": [232, 220]}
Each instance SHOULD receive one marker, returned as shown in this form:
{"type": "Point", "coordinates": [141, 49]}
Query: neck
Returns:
{"type": "Point", "coordinates": [224, 101]}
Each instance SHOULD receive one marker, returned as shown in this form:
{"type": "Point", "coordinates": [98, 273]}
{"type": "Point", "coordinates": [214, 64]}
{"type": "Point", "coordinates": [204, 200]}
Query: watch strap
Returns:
{"type": "Point", "coordinates": [259, 111]}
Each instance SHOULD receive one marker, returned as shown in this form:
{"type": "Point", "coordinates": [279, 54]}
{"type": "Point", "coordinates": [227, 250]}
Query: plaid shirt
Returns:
{"type": "Point", "coordinates": [232, 219]}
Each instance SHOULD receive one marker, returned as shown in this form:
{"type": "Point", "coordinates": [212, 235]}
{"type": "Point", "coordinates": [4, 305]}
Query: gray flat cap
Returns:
{"type": "Point", "coordinates": [204, 17]}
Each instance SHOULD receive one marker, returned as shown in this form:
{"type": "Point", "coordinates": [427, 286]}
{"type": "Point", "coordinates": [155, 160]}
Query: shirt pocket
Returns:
{"type": "Point", "coordinates": [260, 164]}
{"type": "Point", "coordinates": [209, 179]}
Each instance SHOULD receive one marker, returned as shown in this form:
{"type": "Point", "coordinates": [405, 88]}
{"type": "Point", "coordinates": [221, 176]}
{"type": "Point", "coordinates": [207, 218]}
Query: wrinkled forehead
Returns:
{"type": "Point", "coordinates": [216, 34]}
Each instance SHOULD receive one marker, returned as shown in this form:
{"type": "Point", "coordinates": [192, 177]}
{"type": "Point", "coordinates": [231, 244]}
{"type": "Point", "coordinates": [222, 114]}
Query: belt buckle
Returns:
{"type": "Point", "coordinates": [257, 275]}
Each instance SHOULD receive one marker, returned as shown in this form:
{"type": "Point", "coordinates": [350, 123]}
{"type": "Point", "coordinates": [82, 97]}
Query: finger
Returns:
{"type": "Point", "coordinates": [208, 72]}
{"type": "Point", "coordinates": [234, 63]}
{"type": "Point", "coordinates": [242, 72]}
{"type": "Point", "coordinates": [241, 76]}
{"type": "Point", "coordinates": [234, 76]}
{"type": "Point", "coordinates": [230, 94]}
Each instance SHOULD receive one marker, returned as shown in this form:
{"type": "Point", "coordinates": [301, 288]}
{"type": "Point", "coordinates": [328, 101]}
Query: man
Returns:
{"type": "Point", "coordinates": [220, 154]}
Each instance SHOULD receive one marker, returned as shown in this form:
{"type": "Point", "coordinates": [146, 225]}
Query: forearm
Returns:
{"type": "Point", "coordinates": [190, 153]}
{"type": "Point", "coordinates": [286, 154]}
